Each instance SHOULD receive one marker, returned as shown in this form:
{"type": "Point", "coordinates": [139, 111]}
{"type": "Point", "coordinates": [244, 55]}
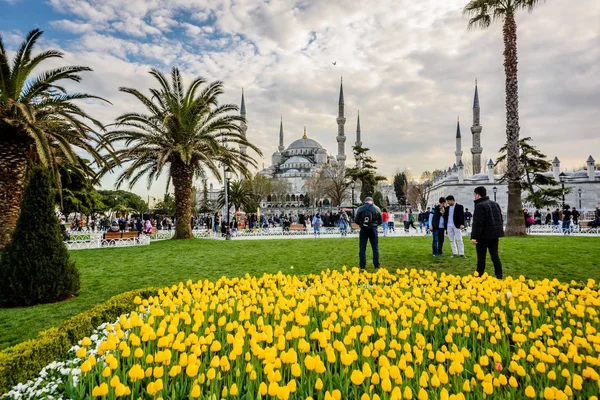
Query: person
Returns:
{"type": "Point", "coordinates": [216, 221]}
{"type": "Point", "coordinates": [575, 214]}
{"type": "Point", "coordinates": [384, 221]}
{"type": "Point", "coordinates": [597, 213]}
{"type": "Point", "coordinates": [405, 220]}
{"type": "Point", "coordinates": [411, 219]}
{"type": "Point", "coordinates": [63, 230]}
{"type": "Point", "coordinates": [148, 227]}
{"type": "Point", "coordinates": [537, 217]}
{"type": "Point", "coordinates": [468, 217]}
{"type": "Point", "coordinates": [426, 215]}
{"type": "Point", "coordinates": [556, 217]}
{"type": "Point", "coordinates": [455, 226]}
{"type": "Point", "coordinates": [317, 222]}
{"type": "Point", "coordinates": [368, 217]}
{"type": "Point", "coordinates": [487, 229]}
{"type": "Point", "coordinates": [343, 223]}
{"type": "Point", "coordinates": [437, 224]}
{"type": "Point", "coordinates": [566, 219]}
{"type": "Point", "coordinates": [548, 216]}
{"type": "Point", "coordinates": [391, 223]}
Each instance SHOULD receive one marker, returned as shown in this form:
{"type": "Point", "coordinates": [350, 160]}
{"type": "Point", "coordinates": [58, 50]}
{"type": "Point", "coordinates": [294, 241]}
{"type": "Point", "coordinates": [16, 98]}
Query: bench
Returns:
{"type": "Point", "coordinates": [355, 227]}
{"type": "Point", "coordinates": [297, 227]}
{"type": "Point", "coordinates": [120, 235]}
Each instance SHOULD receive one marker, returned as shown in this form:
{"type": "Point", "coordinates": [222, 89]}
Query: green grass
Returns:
{"type": "Point", "coordinates": [107, 272]}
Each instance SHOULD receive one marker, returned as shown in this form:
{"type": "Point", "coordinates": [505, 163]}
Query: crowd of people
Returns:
{"type": "Point", "coordinates": [565, 217]}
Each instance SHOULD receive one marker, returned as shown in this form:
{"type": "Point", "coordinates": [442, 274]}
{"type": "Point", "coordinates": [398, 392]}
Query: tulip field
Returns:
{"type": "Point", "coordinates": [404, 334]}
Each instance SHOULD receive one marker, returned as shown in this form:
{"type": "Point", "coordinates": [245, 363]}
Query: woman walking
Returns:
{"type": "Point", "coordinates": [384, 223]}
{"type": "Point", "coordinates": [317, 222]}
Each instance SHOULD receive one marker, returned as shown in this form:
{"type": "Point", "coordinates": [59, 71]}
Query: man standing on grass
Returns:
{"type": "Point", "coordinates": [487, 228]}
{"type": "Point", "coordinates": [368, 217]}
{"type": "Point", "coordinates": [456, 223]}
{"type": "Point", "coordinates": [437, 226]}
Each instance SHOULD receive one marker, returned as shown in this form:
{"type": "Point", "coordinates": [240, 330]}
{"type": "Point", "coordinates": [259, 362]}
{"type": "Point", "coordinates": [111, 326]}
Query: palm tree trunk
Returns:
{"type": "Point", "coordinates": [13, 168]}
{"type": "Point", "coordinates": [515, 225]}
{"type": "Point", "coordinates": [182, 176]}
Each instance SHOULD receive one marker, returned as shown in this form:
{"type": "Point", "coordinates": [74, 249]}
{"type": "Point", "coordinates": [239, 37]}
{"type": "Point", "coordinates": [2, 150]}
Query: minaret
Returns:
{"type": "Point", "coordinates": [341, 138]}
{"type": "Point", "coordinates": [476, 131]}
{"type": "Point", "coordinates": [281, 148]}
{"type": "Point", "coordinates": [458, 153]}
{"type": "Point", "coordinates": [358, 141]}
{"type": "Point", "coordinates": [243, 125]}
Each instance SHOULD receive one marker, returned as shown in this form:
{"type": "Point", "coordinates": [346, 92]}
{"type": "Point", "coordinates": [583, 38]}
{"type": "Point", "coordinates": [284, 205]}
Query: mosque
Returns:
{"type": "Point", "coordinates": [302, 159]}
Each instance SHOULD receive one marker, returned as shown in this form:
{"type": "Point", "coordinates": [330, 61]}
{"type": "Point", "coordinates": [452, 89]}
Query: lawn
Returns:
{"type": "Point", "coordinates": [107, 272]}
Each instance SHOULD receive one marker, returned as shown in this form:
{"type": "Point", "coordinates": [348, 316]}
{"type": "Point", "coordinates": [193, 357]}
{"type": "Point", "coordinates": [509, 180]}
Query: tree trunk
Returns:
{"type": "Point", "coordinates": [182, 175]}
{"type": "Point", "coordinates": [13, 168]}
{"type": "Point", "coordinates": [515, 225]}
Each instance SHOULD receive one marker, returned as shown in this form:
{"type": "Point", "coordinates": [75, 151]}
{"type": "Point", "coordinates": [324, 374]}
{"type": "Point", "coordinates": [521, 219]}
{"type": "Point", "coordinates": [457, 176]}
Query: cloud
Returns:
{"type": "Point", "coordinates": [408, 66]}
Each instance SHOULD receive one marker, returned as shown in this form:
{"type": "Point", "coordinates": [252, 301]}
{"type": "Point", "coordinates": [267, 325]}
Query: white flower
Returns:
{"type": "Point", "coordinates": [508, 295]}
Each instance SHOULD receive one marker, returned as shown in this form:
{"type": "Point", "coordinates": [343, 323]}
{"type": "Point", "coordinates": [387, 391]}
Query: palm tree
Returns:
{"type": "Point", "coordinates": [39, 123]}
{"type": "Point", "coordinates": [482, 13]}
{"type": "Point", "coordinates": [186, 132]}
{"type": "Point", "coordinates": [241, 196]}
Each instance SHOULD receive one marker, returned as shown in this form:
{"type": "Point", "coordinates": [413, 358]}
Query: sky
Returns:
{"type": "Point", "coordinates": [408, 66]}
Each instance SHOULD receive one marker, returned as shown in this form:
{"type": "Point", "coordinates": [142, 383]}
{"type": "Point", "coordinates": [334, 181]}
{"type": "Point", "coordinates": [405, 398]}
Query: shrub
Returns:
{"type": "Point", "coordinates": [35, 267]}
{"type": "Point", "coordinates": [25, 360]}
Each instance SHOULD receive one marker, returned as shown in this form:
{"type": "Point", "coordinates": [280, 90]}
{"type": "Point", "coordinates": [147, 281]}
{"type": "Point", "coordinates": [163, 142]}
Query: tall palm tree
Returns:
{"type": "Point", "coordinates": [39, 123]}
{"type": "Point", "coordinates": [482, 13]}
{"type": "Point", "coordinates": [186, 132]}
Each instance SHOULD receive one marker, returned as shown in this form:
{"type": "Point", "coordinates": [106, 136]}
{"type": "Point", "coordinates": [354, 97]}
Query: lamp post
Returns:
{"type": "Point", "coordinates": [352, 185]}
{"type": "Point", "coordinates": [227, 177]}
{"type": "Point", "coordinates": [563, 178]}
{"type": "Point", "coordinates": [495, 190]}
{"type": "Point", "coordinates": [579, 192]}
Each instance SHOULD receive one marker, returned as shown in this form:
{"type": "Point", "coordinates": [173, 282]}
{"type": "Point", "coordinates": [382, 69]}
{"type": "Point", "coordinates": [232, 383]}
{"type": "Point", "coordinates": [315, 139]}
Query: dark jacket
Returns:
{"type": "Point", "coordinates": [459, 214]}
{"type": "Point", "coordinates": [437, 214]}
{"type": "Point", "coordinates": [487, 220]}
{"type": "Point", "coordinates": [375, 212]}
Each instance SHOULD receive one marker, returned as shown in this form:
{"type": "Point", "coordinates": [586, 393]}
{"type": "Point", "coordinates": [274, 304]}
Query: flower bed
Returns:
{"type": "Point", "coordinates": [346, 335]}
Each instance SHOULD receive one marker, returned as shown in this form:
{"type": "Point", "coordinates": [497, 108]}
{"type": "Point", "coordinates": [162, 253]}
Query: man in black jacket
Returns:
{"type": "Point", "coordinates": [368, 217]}
{"type": "Point", "coordinates": [488, 227]}
{"type": "Point", "coordinates": [456, 223]}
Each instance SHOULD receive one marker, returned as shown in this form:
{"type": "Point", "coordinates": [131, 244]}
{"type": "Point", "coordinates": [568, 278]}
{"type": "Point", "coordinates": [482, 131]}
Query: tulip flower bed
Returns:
{"type": "Point", "coordinates": [347, 335]}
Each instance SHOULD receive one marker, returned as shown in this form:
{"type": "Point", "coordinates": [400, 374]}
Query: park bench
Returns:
{"type": "Point", "coordinates": [120, 235]}
{"type": "Point", "coordinates": [355, 227]}
{"type": "Point", "coordinates": [297, 227]}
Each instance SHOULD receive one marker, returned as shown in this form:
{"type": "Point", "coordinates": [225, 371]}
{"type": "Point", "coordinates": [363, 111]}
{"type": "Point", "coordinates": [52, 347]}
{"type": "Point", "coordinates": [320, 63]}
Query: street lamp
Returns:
{"type": "Point", "coordinates": [495, 190]}
{"type": "Point", "coordinates": [352, 185]}
{"type": "Point", "coordinates": [563, 178]}
{"type": "Point", "coordinates": [579, 192]}
{"type": "Point", "coordinates": [227, 178]}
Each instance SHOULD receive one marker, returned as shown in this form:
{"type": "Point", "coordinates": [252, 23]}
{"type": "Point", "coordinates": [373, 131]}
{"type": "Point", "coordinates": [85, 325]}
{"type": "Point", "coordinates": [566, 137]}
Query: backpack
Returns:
{"type": "Point", "coordinates": [367, 219]}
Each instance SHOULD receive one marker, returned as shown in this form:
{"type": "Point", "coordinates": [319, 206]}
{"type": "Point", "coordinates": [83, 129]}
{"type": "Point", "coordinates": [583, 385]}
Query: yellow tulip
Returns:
{"type": "Point", "coordinates": [195, 393]}
{"type": "Point", "coordinates": [319, 384]}
{"type": "Point", "coordinates": [530, 392]}
{"type": "Point", "coordinates": [422, 394]}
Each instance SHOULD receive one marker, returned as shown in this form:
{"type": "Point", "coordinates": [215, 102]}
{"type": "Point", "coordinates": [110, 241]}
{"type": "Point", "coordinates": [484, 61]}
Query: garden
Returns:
{"type": "Point", "coordinates": [337, 334]}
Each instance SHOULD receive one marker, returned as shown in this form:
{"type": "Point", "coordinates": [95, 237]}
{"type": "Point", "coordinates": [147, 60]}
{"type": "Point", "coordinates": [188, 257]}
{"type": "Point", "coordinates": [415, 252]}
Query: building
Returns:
{"type": "Point", "coordinates": [584, 184]}
{"type": "Point", "coordinates": [301, 160]}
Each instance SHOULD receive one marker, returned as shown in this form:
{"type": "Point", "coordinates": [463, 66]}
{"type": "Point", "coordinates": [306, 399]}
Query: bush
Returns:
{"type": "Point", "coordinates": [25, 360]}
{"type": "Point", "coordinates": [35, 267]}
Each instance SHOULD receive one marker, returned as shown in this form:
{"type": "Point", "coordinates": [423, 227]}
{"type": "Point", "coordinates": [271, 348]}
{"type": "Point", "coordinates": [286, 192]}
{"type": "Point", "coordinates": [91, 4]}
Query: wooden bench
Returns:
{"type": "Point", "coordinates": [297, 227]}
{"type": "Point", "coordinates": [355, 227]}
{"type": "Point", "coordinates": [120, 235]}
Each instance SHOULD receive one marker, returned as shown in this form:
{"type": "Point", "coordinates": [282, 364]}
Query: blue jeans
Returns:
{"type": "Point", "coordinates": [217, 228]}
{"type": "Point", "coordinates": [317, 230]}
{"type": "Point", "coordinates": [438, 241]}
{"type": "Point", "coordinates": [368, 235]}
{"type": "Point", "coordinates": [566, 226]}
{"type": "Point", "coordinates": [385, 228]}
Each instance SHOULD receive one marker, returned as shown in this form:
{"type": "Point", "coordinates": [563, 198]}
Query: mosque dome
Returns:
{"type": "Point", "coordinates": [304, 143]}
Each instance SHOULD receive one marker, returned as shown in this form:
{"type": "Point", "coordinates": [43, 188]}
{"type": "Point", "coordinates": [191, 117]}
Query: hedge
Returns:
{"type": "Point", "coordinates": [25, 360]}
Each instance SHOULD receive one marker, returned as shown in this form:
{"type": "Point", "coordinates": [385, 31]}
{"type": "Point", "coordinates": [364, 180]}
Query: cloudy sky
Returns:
{"type": "Point", "coordinates": [408, 66]}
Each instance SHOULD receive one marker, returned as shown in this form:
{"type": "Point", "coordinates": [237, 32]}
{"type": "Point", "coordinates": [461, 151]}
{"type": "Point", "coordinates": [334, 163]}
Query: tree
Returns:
{"type": "Point", "coordinates": [123, 201]}
{"type": "Point", "coordinates": [204, 206]}
{"type": "Point", "coordinates": [261, 188]}
{"type": "Point", "coordinates": [39, 123]}
{"type": "Point", "coordinates": [365, 172]}
{"type": "Point", "coordinates": [166, 207]}
{"type": "Point", "coordinates": [76, 190]}
{"type": "Point", "coordinates": [240, 196]}
{"type": "Point", "coordinates": [482, 13]}
{"type": "Point", "coordinates": [183, 131]}
{"type": "Point", "coordinates": [336, 183]}
{"type": "Point", "coordinates": [280, 188]}
{"type": "Point", "coordinates": [400, 186]}
{"type": "Point", "coordinates": [378, 199]}
{"type": "Point", "coordinates": [35, 266]}
{"type": "Point", "coordinates": [540, 187]}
